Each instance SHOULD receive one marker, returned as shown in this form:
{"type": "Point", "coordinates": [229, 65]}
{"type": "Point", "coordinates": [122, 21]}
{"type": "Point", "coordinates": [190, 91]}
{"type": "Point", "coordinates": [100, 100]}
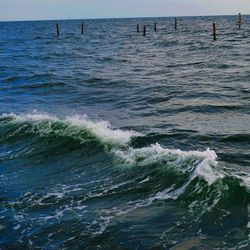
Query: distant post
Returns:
{"type": "Point", "coordinates": [175, 23]}
{"type": "Point", "coordinates": [214, 32]}
{"type": "Point", "coordinates": [144, 30]}
{"type": "Point", "coordinates": [82, 28]}
{"type": "Point", "coordinates": [240, 20]}
{"type": "Point", "coordinates": [57, 29]}
{"type": "Point", "coordinates": [137, 28]}
{"type": "Point", "coordinates": [155, 27]}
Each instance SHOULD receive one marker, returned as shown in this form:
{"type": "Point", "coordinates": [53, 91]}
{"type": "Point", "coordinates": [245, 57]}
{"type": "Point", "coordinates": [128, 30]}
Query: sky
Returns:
{"type": "Point", "coordinates": [81, 9]}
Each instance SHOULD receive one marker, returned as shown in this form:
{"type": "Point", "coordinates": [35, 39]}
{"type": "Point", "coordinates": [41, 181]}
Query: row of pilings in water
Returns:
{"type": "Point", "coordinates": [144, 28]}
{"type": "Point", "coordinates": [155, 27]}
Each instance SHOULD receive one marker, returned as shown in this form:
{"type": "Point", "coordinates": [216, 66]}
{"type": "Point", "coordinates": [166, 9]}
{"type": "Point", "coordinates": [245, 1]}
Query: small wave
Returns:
{"type": "Point", "coordinates": [70, 126]}
{"type": "Point", "coordinates": [11, 79]}
{"type": "Point", "coordinates": [190, 168]}
{"type": "Point", "coordinates": [156, 154]}
{"type": "Point", "coordinates": [237, 138]}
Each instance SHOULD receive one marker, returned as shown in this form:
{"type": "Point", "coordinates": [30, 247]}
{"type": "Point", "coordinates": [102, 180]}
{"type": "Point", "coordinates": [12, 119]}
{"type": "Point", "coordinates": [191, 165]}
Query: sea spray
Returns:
{"type": "Point", "coordinates": [43, 124]}
{"type": "Point", "coordinates": [206, 161]}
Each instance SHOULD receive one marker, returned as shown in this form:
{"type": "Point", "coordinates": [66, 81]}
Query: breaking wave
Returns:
{"type": "Point", "coordinates": [81, 128]}
{"type": "Point", "coordinates": [153, 173]}
{"type": "Point", "coordinates": [44, 124]}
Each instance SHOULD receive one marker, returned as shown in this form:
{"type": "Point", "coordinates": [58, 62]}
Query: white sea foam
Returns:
{"type": "Point", "coordinates": [103, 130]}
{"type": "Point", "coordinates": [206, 161]}
{"type": "Point", "coordinates": [245, 179]}
{"type": "Point", "coordinates": [100, 129]}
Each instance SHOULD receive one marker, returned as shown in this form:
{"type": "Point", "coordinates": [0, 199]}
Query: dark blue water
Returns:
{"type": "Point", "coordinates": [113, 140]}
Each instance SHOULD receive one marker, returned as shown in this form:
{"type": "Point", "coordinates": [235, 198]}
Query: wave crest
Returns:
{"type": "Point", "coordinates": [70, 125]}
{"type": "Point", "coordinates": [206, 161]}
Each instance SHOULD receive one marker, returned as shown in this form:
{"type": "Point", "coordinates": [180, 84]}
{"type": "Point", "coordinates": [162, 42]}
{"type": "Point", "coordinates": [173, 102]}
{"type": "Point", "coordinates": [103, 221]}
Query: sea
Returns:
{"type": "Point", "coordinates": [114, 140]}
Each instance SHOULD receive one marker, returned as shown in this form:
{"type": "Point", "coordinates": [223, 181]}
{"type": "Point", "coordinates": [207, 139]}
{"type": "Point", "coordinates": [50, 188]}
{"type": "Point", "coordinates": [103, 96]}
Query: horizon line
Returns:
{"type": "Point", "coordinates": [107, 18]}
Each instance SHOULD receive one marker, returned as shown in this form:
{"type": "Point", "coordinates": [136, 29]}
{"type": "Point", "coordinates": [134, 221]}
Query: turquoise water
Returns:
{"type": "Point", "coordinates": [113, 140]}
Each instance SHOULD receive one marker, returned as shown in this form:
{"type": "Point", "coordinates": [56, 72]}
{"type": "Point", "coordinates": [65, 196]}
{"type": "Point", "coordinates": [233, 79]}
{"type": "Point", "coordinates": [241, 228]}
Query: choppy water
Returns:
{"type": "Point", "coordinates": [113, 140]}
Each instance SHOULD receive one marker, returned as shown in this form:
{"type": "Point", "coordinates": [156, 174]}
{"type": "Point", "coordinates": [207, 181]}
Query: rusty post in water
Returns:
{"type": "Point", "coordinates": [144, 30]}
{"type": "Point", "coordinates": [57, 29]}
{"type": "Point", "coordinates": [175, 23]}
{"type": "Point", "coordinates": [155, 26]}
{"type": "Point", "coordinates": [82, 28]}
{"type": "Point", "coordinates": [214, 32]}
{"type": "Point", "coordinates": [240, 20]}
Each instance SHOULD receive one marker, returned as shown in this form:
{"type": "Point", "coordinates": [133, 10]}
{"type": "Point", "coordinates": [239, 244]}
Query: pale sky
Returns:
{"type": "Point", "coordinates": [74, 9]}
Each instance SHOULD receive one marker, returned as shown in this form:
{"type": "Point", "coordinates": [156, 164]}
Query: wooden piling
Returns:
{"type": "Point", "coordinates": [175, 23]}
{"type": "Point", "coordinates": [137, 28]}
{"type": "Point", "coordinates": [82, 26]}
{"type": "Point", "coordinates": [57, 29]}
{"type": "Point", "coordinates": [214, 32]}
{"type": "Point", "coordinates": [240, 20]}
{"type": "Point", "coordinates": [144, 30]}
{"type": "Point", "coordinates": [155, 27]}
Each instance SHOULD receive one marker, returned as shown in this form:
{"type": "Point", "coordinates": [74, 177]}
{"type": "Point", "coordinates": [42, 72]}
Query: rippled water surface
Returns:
{"type": "Point", "coordinates": [113, 140]}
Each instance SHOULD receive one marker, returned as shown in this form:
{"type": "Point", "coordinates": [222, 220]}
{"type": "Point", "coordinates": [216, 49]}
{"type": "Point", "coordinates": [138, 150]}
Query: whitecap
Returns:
{"type": "Point", "coordinates": [206, 160]}
{"type": "Point", "coordinates": [99, 129]}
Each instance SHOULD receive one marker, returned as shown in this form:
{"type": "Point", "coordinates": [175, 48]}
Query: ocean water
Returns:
{"type": "Point", "coordinates": [112, 140]}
